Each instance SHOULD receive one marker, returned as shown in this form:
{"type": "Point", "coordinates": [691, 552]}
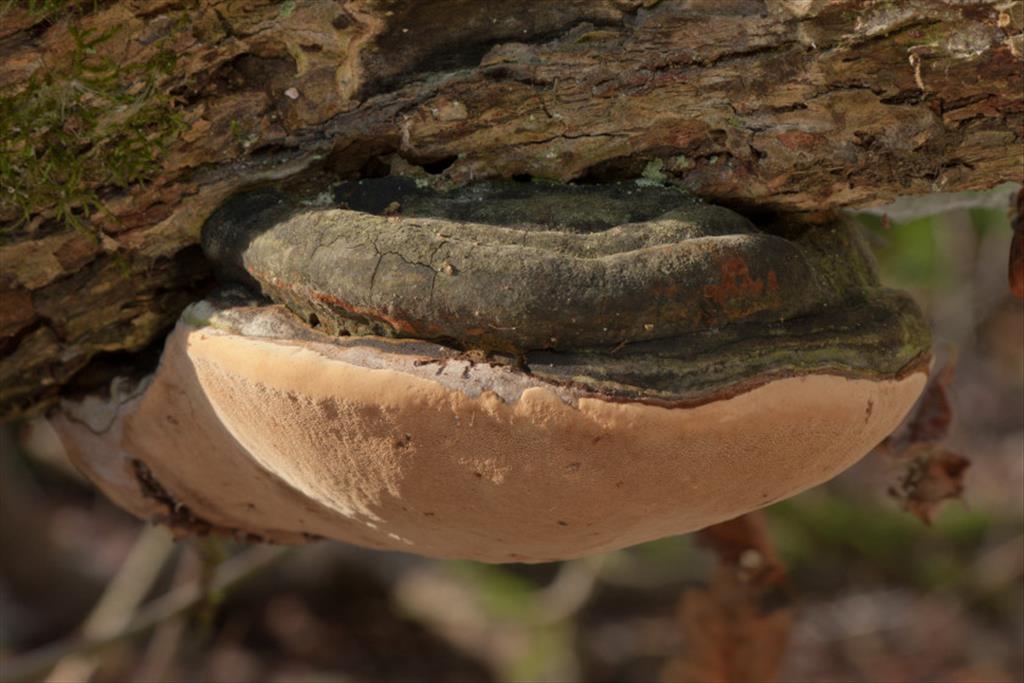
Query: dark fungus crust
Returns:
{"type": "Point", "coordinates": [621, 289]}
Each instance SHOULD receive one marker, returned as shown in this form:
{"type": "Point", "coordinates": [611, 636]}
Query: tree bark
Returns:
{"type": "Point", "coordinates": [784, 107]}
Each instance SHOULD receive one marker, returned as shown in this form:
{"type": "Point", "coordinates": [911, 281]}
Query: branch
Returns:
{"type": "Point", "coordinates": [173, 603]}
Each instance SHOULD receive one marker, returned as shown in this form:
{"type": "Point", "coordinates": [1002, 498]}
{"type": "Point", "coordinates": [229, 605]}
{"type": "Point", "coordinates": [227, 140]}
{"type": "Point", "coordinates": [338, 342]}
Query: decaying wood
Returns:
{"type": "Point", "coordinates": [788, 106]}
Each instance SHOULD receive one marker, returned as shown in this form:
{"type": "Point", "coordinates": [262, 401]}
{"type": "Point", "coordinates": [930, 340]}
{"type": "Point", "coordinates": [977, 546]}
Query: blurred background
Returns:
{"type": "Point", "coordinates": [880, 596]}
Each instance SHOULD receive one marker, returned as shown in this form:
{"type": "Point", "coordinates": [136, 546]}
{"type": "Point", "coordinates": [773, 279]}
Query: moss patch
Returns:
{"type": "Point", "coordinates": [89, 124]}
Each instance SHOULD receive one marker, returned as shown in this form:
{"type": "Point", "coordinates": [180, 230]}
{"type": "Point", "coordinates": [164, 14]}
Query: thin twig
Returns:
{"type": "Point", "coordinates": [115, 608]}
{"type": "Point", "coordinates": [31, 665]}
{"type": "Point", "coordinates": [158, 657]}
{"type": "Point", "coordinates": [570, 590]}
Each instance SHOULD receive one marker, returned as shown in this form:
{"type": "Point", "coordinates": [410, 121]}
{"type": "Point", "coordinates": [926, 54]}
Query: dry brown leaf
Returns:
{"type": "Point", "coordinates": [933, 414]}
{"type": "Point", "coordinates": [736, 628]}
{"type": "Point", "coordinates": [932, 477]}
{"type": "Point", "coordinates": [930, 473]}
{"type": "Point", "coordinates": [1017, 249]}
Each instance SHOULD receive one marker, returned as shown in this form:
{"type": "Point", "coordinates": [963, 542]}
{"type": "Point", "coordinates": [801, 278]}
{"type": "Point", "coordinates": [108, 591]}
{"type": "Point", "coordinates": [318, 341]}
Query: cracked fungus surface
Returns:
{"type": "Point", "coordinates": [526, 267]}
{"type": "Point", "coordinates": [638, 292]}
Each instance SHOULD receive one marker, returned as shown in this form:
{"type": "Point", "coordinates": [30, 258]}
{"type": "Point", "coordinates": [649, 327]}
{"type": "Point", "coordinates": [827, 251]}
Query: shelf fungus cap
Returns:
{"type": "Point", "coordinates": [258, 424]}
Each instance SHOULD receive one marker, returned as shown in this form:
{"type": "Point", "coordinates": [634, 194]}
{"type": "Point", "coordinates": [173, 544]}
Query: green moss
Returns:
{"type": "Point", "coordinates": [243, 135]}
{"type": "Point", "coordinates": [546, 180]}
{"type": "Point", "coordinates": [932, 35]}
{"type": "Point", "coordinates": [654, 172]}
{"type": "Point", "coordinates": [89, 124]}
{"type": "Point", "coordinates": [40, 9]}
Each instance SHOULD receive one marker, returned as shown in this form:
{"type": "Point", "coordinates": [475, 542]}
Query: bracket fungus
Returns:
{"type": "Point", "coordinates": [507, 372]}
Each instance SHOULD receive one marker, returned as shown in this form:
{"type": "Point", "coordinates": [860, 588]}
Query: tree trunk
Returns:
{"type": "Point", "coordinates": [116, 145]}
